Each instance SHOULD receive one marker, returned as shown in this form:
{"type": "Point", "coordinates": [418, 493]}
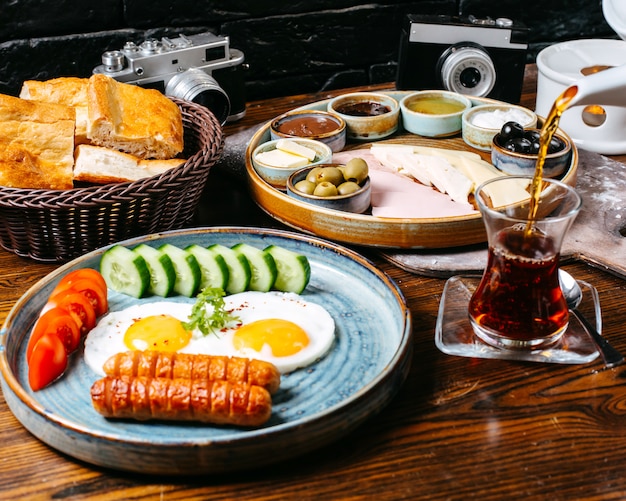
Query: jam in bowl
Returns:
{"type": "Point", "coordinates": [368, 115]}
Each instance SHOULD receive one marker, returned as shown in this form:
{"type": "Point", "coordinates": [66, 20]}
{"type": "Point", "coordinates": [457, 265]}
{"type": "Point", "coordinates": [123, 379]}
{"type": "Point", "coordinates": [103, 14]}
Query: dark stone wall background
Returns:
{"type": "Point", "coordinates": [291, 47]}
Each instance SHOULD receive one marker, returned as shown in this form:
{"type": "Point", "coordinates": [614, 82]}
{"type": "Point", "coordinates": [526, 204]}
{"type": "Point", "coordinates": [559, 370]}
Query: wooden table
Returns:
{"type": "Point", "coordinates": [460, 428]}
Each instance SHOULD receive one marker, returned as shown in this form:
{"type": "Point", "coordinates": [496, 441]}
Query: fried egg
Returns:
{"type": "Point", "coordinates": [281, 328]}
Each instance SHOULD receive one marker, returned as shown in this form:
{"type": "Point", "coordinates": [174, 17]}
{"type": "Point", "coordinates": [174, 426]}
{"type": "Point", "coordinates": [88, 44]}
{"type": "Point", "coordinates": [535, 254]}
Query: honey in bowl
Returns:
{"type": "Point", "coordinates": [434, 105]}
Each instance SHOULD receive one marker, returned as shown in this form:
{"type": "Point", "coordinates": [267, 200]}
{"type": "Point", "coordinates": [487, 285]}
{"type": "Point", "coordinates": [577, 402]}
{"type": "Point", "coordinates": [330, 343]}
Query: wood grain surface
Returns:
{"type": "Point", "coordinates": [459, 429]}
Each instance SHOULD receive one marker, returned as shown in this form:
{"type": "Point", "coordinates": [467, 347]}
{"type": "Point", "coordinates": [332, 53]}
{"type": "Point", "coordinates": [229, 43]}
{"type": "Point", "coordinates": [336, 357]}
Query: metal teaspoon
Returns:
{"type": "Point", "coordinates": [574, 295]}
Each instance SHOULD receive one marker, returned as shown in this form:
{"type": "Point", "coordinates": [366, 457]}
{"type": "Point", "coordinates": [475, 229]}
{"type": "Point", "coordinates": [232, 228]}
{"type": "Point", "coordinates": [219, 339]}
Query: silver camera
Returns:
{"type": "Point", "coordinates": [202, 68]}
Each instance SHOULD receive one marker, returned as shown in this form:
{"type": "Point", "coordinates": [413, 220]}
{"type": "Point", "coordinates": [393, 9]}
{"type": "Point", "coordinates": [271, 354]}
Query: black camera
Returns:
{"type": "Point", "coordinates": [201, 68]}
{"type": "Point", "coordinates": [476, 57]}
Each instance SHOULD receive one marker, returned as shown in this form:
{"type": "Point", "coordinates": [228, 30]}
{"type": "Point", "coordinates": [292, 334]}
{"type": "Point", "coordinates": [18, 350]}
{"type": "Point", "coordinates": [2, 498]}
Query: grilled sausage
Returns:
{"type": "Point", "coordinates": [185, 365]}
{"type": "Point", "coordinates": [179, 399]}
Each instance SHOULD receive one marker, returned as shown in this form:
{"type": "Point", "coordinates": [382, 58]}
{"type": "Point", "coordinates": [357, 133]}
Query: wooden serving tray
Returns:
{"type": "Point", "coordinates": [367, 230]}
{"type": "Point", "coordinates": [597, 236]}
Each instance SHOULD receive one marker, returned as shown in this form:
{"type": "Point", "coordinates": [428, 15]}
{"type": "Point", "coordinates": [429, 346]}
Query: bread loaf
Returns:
{"type": "Point", "coordinates": [94, 130]}
{"type": "Point", "coordinates": [100, 165]}
{"type": "Point", "coordinates": [70, 91]}
{"type": "Point", "coordinates": [37, 144]}
{"type": "Point", "coordinates": [142, 122]}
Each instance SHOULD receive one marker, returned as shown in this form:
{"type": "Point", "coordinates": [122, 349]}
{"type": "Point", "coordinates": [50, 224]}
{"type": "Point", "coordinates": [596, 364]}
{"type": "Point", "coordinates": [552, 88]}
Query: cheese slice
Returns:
{"type": "Point", "coordinates": [394, 157]}
{"type": "Point", "coordinates": [451, 155]}
{"type": "Point", "coordinates": [481, 171]}
{"type": "Point", "coordinates": [411, 166]}
{"type": "Point", "coordinates": [447, 178]}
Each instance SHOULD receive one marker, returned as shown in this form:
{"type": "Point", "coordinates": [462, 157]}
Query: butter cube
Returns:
{"type": "Point", "coordinates": [295, 148]}
{"type": "Point", "coordinates": [280, 158]}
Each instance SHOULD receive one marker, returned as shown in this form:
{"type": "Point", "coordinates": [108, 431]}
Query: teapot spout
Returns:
{"type": "Point", "coordinates": [606, 87]}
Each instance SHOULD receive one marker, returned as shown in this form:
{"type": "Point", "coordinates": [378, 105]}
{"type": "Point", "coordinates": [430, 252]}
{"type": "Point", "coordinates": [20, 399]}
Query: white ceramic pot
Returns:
{"type": "Point", "coordinates": [594, 126]}
{"type": "Point", "coordinates": [602, 130]}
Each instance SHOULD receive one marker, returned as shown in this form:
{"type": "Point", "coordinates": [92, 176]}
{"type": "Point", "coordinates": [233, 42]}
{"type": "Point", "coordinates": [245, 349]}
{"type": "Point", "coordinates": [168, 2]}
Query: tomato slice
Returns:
{"type": "Point", "coordinates": [77, 305]}
{"type": "Point", "coordinates": [93, 293]}
{"type": "Point", "coordinates": [83, 273]}
{"type": "Point", "coordinates": [47, 362]}
{"type": "Point", "coordinates": [57, 322]}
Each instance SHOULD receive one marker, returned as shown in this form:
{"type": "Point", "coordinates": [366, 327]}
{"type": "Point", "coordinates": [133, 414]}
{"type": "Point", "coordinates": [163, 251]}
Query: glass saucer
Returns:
{"type": "Point", "coordinates": [454, 334]}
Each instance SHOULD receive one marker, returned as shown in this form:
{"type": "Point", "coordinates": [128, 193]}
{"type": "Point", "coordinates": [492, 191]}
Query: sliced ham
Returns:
{"type": "Point", "coordinates": [397, 196]}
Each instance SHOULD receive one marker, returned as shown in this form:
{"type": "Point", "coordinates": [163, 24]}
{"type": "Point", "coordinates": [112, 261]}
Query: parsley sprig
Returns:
{"type": "Point", "coordinates": [200, 317]}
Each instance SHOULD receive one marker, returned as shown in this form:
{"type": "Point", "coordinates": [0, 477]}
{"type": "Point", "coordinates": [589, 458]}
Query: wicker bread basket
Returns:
{"type": "Point", "coordinates": [59, 225]}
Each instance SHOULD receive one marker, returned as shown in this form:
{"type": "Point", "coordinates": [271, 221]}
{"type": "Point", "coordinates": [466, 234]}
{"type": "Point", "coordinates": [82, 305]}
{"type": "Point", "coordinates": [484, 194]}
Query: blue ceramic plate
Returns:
{"type": "Point", "coordinates": [314, 406]}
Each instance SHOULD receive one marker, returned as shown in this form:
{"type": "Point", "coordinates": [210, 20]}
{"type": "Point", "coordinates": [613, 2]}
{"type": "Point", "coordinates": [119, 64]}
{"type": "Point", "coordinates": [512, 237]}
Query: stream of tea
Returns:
{"type": "Point", "coordinates": [548, 130]}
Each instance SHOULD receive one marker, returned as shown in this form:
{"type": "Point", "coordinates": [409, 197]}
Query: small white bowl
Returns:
{"type": "Point", "coordinates": [368, 115]}
{"type": "Point", "coordinates": [433, 113]}
{"type": "Point", "coordinates": [277, 176]}
{"type": "Point", "coordinates": [481, 123]}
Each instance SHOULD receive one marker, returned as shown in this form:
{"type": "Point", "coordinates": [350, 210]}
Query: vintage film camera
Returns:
{"type": "Point", "coordinates": [476, 57]}
{"type": "Point", "coordinates": [201, 68]}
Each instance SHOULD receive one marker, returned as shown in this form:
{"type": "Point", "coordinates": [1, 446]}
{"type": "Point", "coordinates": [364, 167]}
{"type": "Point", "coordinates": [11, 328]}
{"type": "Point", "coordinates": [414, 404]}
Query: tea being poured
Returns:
{"type": "Point", "coordinates": [548, 130]}
{"type": "Point", "coordinates": [606, 86]}
{"type": "Point", "coordinates": [519, 303]}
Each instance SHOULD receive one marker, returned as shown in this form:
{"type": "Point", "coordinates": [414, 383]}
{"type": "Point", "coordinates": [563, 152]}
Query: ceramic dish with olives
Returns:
{"type": "Point", "coordinates": [333, 186]}
{"type": "Point", "coordinates": [515, 149]}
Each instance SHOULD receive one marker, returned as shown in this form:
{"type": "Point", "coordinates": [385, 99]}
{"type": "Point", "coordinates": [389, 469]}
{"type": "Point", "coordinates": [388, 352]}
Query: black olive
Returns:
{"type": "Point", "coordinates": [511, 130]}
{"type": "Point", "coordinates": [532, 135]}
{"type": "Point", "coordinates": [555, 145]}
{"type": "Point", "coordinates": [518, 145]}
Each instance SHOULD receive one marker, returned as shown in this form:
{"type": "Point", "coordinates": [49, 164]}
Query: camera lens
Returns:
{"type": "Point", "coordinates": [467, 70]}
{"type": "Point", "coordinates": [201, 88]}
{"type": "Point", "coordinates": [469, 78]}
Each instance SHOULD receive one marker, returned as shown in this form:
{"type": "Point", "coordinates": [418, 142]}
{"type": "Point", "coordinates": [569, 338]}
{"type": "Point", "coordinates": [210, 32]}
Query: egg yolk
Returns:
{"type": "Point", "coordinates": [157, 332]}
{"type": "Point", "coordinates": [282, 336]}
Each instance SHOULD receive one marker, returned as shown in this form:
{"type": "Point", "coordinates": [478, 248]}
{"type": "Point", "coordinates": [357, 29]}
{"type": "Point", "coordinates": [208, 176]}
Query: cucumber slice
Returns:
{"type": "Point", "coordinates": [162, 273]}
{"type": "Point", "coordinates": [187, 270]}
{"type": "Point", "coordinates": [239, 273]}
{"type": "Point", "coordinates": [214, 272]}
{"type": "Point", "coordinates": [294, 270]}
{"type": "Point", "coordinates": [125, 271]}
{"type": "Point", "coordinates": [262, 267]}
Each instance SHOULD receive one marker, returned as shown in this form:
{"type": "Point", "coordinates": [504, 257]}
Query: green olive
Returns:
{"type": "Point", "coordinates": [325, 189]}
{"type": "Point", "coordinates": [356, 170]}
{"type": "Point", "coordinates": [331, 175]}
{"type": "Point", "coordinates": [311, 177]}
{"type": "Point", "coordinates": [347, 188]}
{"type": "Point", "coordinates": [305, 186]}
